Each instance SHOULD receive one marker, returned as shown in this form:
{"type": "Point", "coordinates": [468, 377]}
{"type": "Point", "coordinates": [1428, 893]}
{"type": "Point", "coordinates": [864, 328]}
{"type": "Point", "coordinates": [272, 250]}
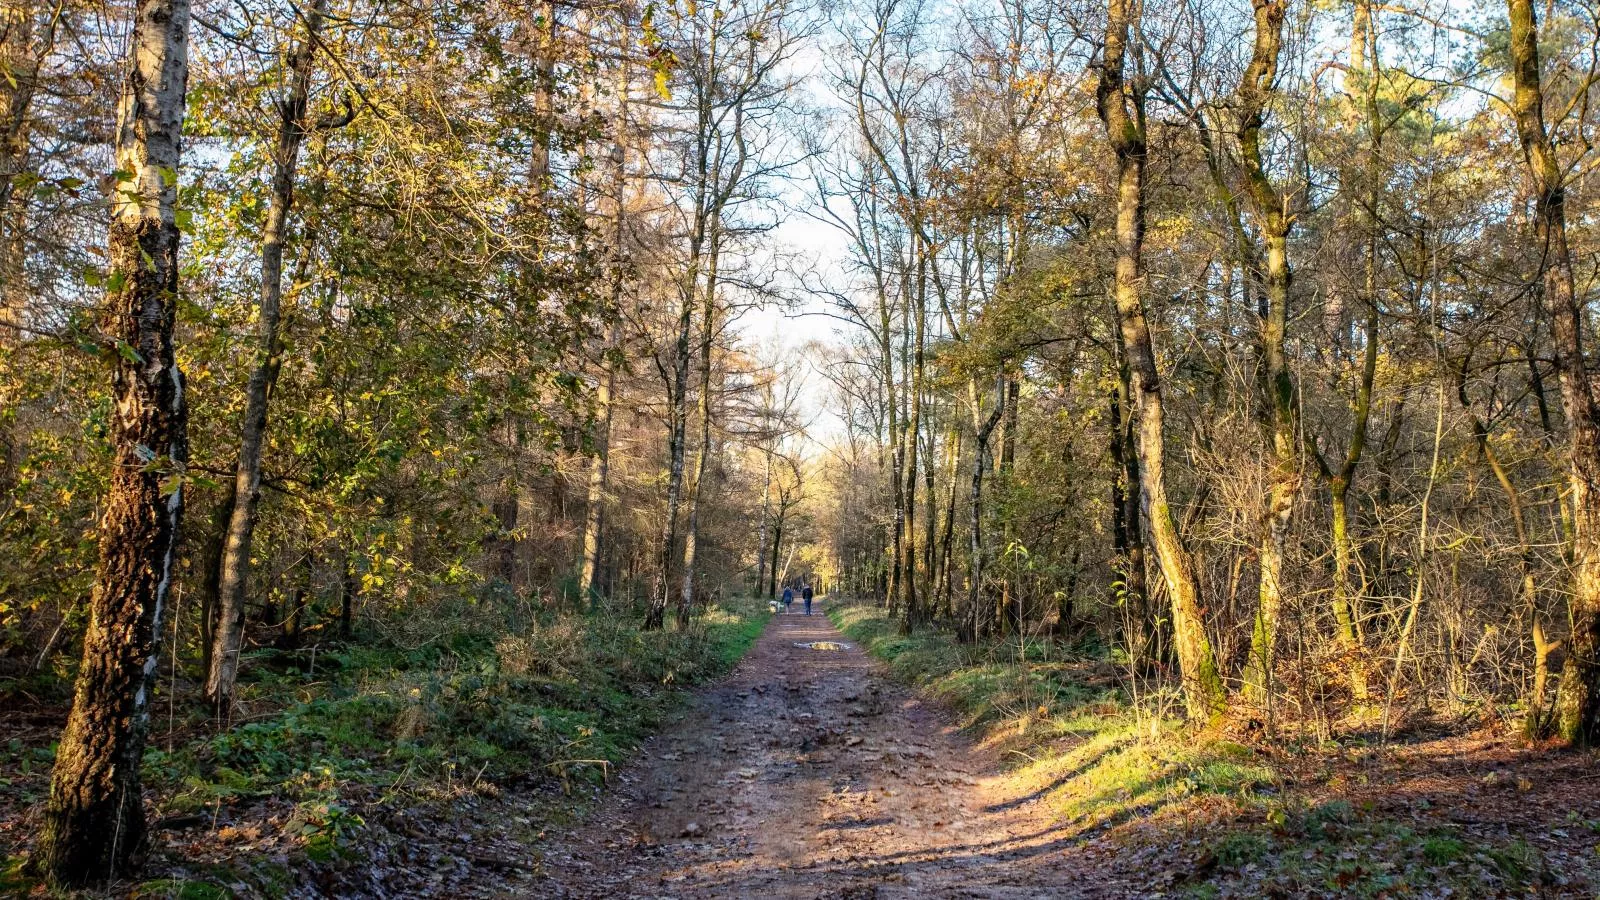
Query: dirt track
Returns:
{"type": "Point", "coordinates": [807, 773]}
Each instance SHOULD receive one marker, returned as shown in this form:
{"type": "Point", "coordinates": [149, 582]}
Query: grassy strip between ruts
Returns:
{"type": "Point", "coordinates": [1169, 810]}
{"type": "Point", "coordinates": [543, 700]}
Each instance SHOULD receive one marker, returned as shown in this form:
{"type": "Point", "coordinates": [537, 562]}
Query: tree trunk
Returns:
{"type": "Point", "coordinates": [544, 65]}
{"type": "Point", "coordinates": [94, 824]}
{"type": "Point", "coordinates": [916, 306]}
{"type": "Point", "coordinates": [1347, 599]}
{"type": "Point", "coordinates": [930, 525]}
{"type": "Point", "coordinates": [982, 430]}
{"type": "Point", "coordinates": [708, 320]}
{"type": "Point", "coordinates": [210, 561]}
{"type": "Point", "coordinates": [1126, 534]}
{"type": "Point", "coordinates": [1578, 703]}
{"type": "Point", "coordinates": [22, 47]}
{"type": "Point", "coordinates": [599, 476]}
{"type": "Point", "coordinates": [1274, 221]}
{"type": "Point", "coordinates": [946, 589]}
{"type": "Point", "coordinates": [21, 53]}
{"type": "Point", "coordinates": [777, 545]}
{"type": "Point", "coordinates": [1011, 597]}
{"type": "Point", "coordinates": [1065, 619]}
{"type": "Point", "coordinates": [349, 590]}
{"type": "Point", "coordinates": [507, 510]}
{"type": "Point", "coordinates": [766, 516]}
{"type": "Point", "coordinates": [599, 467]}
{"type": "Point", "coordinates": [1534, 721]}
{"type": "Point", "coordinates": [896, 459]}
{"type": "Point", "coordinates": [1125, 130]}
{"type": "Point", "coordinates": [677, 391]}
{"type": "Point", "coordinates": [232, 582]}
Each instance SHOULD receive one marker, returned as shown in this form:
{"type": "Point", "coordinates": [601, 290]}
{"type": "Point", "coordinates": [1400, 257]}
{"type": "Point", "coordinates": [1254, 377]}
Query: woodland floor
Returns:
{"type": "Point", "coordinates": [809, 773]}
{"type": "Point", "coordinates": [815, 774]}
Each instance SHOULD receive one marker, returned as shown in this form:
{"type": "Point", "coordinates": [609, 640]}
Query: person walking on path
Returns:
{"type": "Point", "coordinates": [788, 597]}
{"type": "Point", "coordinates": [805, 594]}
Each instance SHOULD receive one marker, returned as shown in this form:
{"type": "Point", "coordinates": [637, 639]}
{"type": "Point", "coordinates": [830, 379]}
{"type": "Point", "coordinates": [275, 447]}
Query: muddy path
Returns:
{"type": "Point", "coordinates": [807, 773]}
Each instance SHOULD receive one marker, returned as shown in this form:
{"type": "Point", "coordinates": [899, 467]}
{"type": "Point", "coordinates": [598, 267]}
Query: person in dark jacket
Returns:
{"type": "Point", "coordinates": [805, 594]}
{"type": "Point", "coordinates": [788, 597]}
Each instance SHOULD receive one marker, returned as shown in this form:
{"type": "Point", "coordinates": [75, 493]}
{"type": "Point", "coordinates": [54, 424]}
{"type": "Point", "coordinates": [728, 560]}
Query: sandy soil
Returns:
{"type": "Point", "coordinates": [807, 773]}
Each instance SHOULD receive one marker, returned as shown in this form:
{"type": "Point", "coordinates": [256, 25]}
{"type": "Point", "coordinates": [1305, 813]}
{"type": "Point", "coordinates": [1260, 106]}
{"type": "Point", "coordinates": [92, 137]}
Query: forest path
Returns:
{"type": "Point", "coordinates": [808, 773]}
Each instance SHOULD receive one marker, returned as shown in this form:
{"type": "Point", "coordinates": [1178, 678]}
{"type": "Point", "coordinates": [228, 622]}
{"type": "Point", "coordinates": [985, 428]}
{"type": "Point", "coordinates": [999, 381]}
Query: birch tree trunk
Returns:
{"type": "Point", "coordinates": [711, 190]}
{"type": "Point", "coordinates": [944, 591]}
{"type": "Point", "coordinates": [677, 396]}
{"type": "Point", "coordinates": [777, 546]}
{"type": "Point", "coordinates": [656, 617]}
{"type": "Point", "coordinates": [94, 825]}
{"type": "Point", "coordinates": [896, 457]}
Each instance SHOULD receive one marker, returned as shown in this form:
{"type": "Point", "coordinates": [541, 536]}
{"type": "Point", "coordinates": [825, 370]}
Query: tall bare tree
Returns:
{"type": "Point", "coordinates": [1120, 101]}
{"type": "Point", "coordinates": [1275, 214]}
{"type": "Point", "coordinates": [233, 573]}
{"type": "Point", "coordinates": [731, 63]}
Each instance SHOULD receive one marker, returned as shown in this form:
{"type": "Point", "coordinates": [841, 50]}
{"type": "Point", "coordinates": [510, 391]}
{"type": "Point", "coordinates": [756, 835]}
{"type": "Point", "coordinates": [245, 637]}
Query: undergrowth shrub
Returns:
{"type": "Point", "coordinates": [568, 694]}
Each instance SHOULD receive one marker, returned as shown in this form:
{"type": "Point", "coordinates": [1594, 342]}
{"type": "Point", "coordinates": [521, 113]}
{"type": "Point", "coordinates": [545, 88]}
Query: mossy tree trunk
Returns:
{"type": "Point", "coordinates": [1274, 221]}
{"type": "Point", "coordinates": [1120, 103]}
{"type": "Point", "coordinates": [1578, 703]}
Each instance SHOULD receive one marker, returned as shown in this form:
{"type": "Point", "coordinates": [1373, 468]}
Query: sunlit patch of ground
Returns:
{"type": "Point", "coordinates": [1157, 808]}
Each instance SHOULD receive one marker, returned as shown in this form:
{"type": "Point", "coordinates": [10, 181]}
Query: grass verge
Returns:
{"type": "Point", "coordinates": [1063, 717]}
{"type": "Point", "coordinates": [1185, 814]}
{"type": "Point", "coordinates": [569, 695]}
{"type": "Point", "coordinates": [504, 722]}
